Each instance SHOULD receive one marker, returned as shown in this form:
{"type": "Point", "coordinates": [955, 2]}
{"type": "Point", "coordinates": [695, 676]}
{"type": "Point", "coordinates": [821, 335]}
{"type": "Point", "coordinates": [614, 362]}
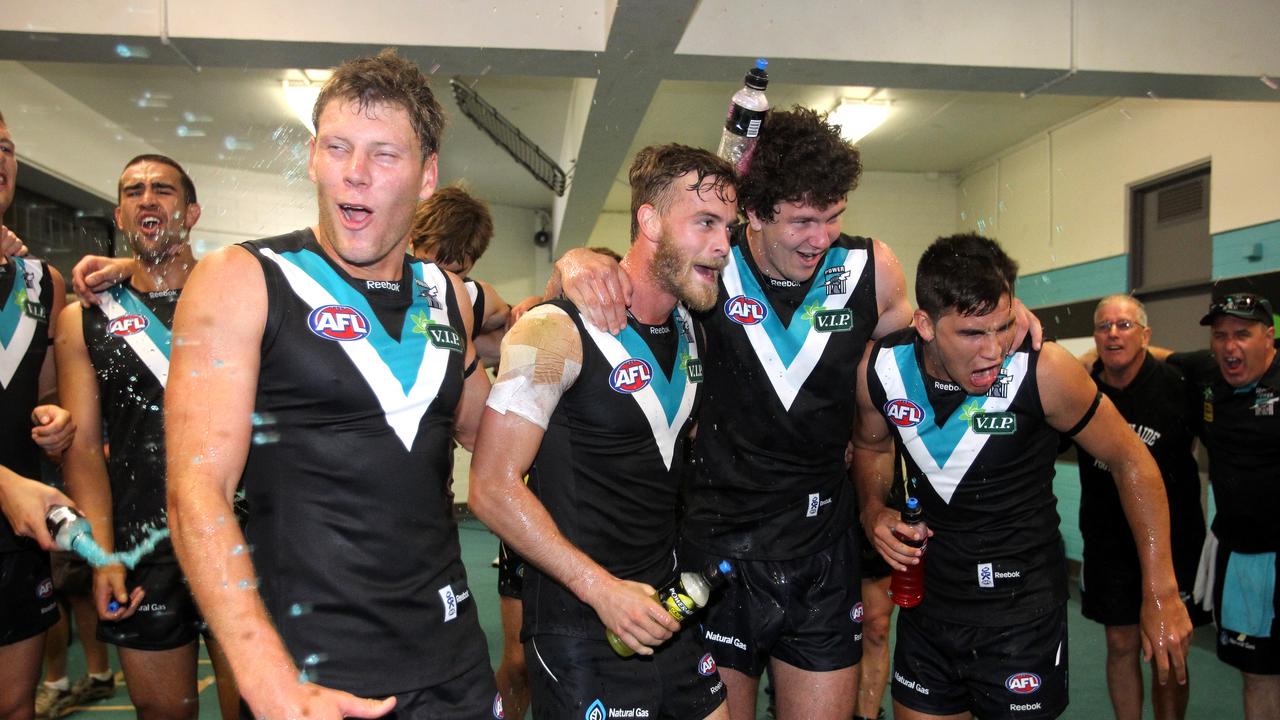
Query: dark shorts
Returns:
{"type": "Point", "coordinates": [510, 572]}
{"type": "Point", "coordinates": [872, 564]}
{"type": "Point", "coordinates": [1258, 654]}
{"type": "Point", "coordinates": [470, 696]}
{"type": "Point", "coordinates": [27, 605]}
{"type": "Point", "coordinates": [1020, 671]}
{"type": "Point", "coordinates": [166, 618]}
{"type": "Point", "coordinates": [1111, 587]}
{"type": "Point", "coordinates": [576, 678]}
{"type": "Point", "coordinates": [71, 574]}
{"type": "Point", "coordinates": [806, 612]}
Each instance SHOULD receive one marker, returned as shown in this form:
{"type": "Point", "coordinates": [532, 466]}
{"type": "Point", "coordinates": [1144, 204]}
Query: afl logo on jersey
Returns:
{"type": "Point", "coordinates": [44, 590]}
{"type": "Point", "coordinates": [707, 666]}
{"type": "Point", "coordinates": [127, 325]}
{"type": "Point", "coordinates": [903, 413]}
{"type": "Point", "coordinates": [1023, 683]}
{"type": "Point", "coordinates": [856, 612]}
{"type": "Point", "coordinates": [497, 707]}
{"type": "Point", "coordinates": [630, 375]}
{"type": "Point", "coordinates": [745, 310]}
{"type": "Point", "coordinates": [338, 322]}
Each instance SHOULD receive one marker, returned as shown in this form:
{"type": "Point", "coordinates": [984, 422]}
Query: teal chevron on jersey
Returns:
{"type": "Point", "coordinates": [789, 339]}
{"type": "Point", "coordinates": [669, 389]}
{"type": "Point", "coordinates": [941, 439]}
{"type": "Point", "coordinates": [13, 306]}
{"type": "Point", "coordinates": [402, 358]}
{"type": "Point", "coordinates": [160, 335]}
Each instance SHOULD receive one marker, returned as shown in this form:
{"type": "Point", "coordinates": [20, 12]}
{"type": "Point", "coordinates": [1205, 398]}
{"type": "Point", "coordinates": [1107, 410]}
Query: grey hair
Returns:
{"type": "Point", "coordinates": [1142, 309]}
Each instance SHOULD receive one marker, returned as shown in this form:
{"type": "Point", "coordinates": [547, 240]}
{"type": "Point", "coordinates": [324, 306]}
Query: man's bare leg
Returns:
{"type": "Point", "coordinates": [19, 671]}
{"type": "Point", "coordinates": [741, 689]}
{"type": "Point", "coordinates": [806, 694]}
{"type": "Point", "coordinates": [874, 674]}
{"type": "Point", "coordinates": [162, 683]}
{"type": "Point", "coordinates": [1261, 696]}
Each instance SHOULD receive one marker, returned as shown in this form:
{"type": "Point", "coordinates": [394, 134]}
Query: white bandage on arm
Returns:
{"type": "Point", "coordinates": [541, 359]}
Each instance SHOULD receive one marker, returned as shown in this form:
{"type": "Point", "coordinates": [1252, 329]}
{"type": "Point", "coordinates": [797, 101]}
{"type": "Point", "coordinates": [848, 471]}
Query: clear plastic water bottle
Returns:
{"type": "Point", "coordinates": [745, 117]}
{"type": "Point", "coordinates": [690, 593]}
{"type": "Point", "coordinates": [907, 586]}
{"type": "Point", "coordinates": [67, 526]}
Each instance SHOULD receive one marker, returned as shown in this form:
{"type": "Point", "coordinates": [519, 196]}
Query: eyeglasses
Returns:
{"type": "Point", "coordinates": [1121, 325]}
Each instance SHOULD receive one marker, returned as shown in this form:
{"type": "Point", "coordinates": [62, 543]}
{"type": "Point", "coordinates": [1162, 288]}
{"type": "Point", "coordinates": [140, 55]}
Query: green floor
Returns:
{"type": "Point", "coordinates": [1215, 690]}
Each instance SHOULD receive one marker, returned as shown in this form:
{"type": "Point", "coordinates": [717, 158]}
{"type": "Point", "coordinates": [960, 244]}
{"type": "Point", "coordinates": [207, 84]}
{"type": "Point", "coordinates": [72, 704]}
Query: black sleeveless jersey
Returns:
{"type": "Point", "coordinates": [1162, 409]}
{"type": "Point", "coordinates": [353, 535]}
{"type": "Point", "coordinates": [128, 338]}
{"type": "Point", "coordinates": [768, 480]}
{"type": "Point", "coordinates": [475, 293]}
{"type": "Point", "coordinates": [26, 302]}
{"type": "Point", "coordinates": [611, 461]}
{"type": "Point", "coordinates": [982, 467]}
{"type": "Point", "coordinates": [1241, 429]}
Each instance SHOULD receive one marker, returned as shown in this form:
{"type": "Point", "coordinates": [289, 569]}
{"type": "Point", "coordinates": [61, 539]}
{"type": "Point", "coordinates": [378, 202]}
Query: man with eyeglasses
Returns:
{"type": "Point", "coordinates": [1238, 383]}
{"type": "Point", "coordinates": [1156, 401]}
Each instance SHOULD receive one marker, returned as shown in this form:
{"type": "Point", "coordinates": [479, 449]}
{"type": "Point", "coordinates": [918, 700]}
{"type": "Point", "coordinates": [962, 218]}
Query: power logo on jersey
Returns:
{"type": "Point", "coordinates": [630, 376]}
{"type": "Point", "coordinates": [1023, 683]}
{"type": "Point", "coordinates": [707, 666]}
{"type": "Point", "coordinates": [338, 322]}
{"type": "Point", "coordinates": [127, 325]}
{"type": "Point", "coordinates": [745, 310]}
{"type": "Point", "coordinates": [903, 412]}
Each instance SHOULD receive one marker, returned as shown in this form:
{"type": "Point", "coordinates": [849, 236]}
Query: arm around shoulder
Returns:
{"type": "Point", "coordinates": [891, 292]}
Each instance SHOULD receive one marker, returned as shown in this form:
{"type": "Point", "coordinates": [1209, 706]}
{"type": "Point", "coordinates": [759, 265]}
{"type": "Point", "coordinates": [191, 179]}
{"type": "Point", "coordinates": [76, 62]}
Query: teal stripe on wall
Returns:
{"type": "Point", "coordinates": [1233, 249]}
{"type": "Point", "coordinates": [1075, 282]}
{"type": "Point", "coordinates": [1066, 486]}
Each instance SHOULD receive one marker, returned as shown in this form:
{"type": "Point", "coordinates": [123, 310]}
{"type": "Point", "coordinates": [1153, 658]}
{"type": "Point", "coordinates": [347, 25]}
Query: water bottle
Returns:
{"type": "Point", "coordinates": [68, 527]}
{"type": "Point", "coordinates": [907, 586]}
{"type": "Point", "coordinates": [746, 115]}
{"type": "Point", "coordinates": [691, 592]}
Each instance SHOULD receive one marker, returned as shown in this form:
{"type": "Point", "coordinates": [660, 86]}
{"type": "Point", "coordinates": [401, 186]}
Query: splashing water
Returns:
{"type": "Point", "coordinates": [86, 547]}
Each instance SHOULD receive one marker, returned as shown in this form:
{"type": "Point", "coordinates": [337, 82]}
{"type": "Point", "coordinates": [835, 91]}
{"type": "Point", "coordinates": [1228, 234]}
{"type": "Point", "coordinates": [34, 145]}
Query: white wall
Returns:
{"type": "Point", "coordinates": [1062, 198]}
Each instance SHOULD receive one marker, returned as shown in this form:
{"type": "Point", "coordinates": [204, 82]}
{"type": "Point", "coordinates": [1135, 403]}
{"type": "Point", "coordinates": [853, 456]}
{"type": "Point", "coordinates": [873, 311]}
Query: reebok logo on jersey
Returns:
{"type": "Point", "coordinates": [1015, 707]}
{"type": "Point", "coordinates": [127, 325]}
{"type": "Point", "coordinates": [903, 413]}
{"type": "Point", "coordinates": [338, 322]}
{"type": "Point", "coordinates": [745, 310]}
{"type": "Point", "coordinates": [942, 386]}
{"type": "Point", "coordinates": [450, 603]}
{"type": "Point", "coordinates": [630, 376]}
{"type": "Point", "coordinates": [382, 285]}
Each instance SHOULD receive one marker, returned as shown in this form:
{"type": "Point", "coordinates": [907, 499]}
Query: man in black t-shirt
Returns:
{"type": "Point", "coordinates": [1158, 404]}
{"type": "Point", "coordinates": [1238, 384]}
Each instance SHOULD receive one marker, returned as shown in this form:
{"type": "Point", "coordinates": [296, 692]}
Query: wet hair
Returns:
{"type": "Point", "coordinates": [656, 167]}
{"type": "Point", "coordinates": [452, 226]}
{"type": "Point", "coordinates": [967, 273]}
{"type": "Point", "coordinates": [799, 158]}
{"type": "Point", "coordinates": [1120, 297]}
{"type": "Point", "coordinates": [188, 187]}
{"type": "Point", "coordinates": [2, 122]}
{"type": "Point", "coordinates": [387, 78]}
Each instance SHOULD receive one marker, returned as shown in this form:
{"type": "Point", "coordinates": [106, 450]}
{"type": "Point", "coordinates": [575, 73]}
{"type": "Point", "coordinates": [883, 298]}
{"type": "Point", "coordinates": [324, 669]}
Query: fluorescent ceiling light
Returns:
{"type": "Point", "coordinates": [301, 88]}
{"type": "Point", "coordinates": [857, 118]}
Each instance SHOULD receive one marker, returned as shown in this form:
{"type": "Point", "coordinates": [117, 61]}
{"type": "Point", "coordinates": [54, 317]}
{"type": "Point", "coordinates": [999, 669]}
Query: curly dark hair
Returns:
{"type": "Point", "coordinates": [966, 272]}
{"type": "Point", "coordinates": [656, 167]}
{"type": "Point", "coordinates": [387, 78]}
{"type": "Point", "coordinates": [799, 158]}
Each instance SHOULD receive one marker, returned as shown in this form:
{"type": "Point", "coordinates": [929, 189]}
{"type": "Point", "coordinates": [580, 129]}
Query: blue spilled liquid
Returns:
{"type": "Point", "coordinates": [83, 544]}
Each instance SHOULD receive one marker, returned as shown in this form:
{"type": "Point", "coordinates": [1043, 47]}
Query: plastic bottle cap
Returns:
{"type": "Point", "coordinates": [757, 78]}
{"type": "Point", "coordinates": [725, 567]}
{"type": "Point", "coordinates": [912, 503]}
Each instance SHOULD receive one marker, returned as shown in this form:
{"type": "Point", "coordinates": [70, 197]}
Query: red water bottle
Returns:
{"type": "Point", "coordinates": [907, 586]}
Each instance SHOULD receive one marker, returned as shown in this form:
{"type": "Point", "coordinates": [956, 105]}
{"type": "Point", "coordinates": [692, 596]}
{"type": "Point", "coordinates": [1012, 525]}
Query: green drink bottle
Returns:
{"type": "Point", "coordinates": [690, 593]}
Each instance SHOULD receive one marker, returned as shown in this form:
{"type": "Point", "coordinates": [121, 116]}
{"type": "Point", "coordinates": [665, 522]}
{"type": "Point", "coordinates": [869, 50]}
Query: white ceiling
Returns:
{"type": "Point", "coordinates": [592, 81]}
